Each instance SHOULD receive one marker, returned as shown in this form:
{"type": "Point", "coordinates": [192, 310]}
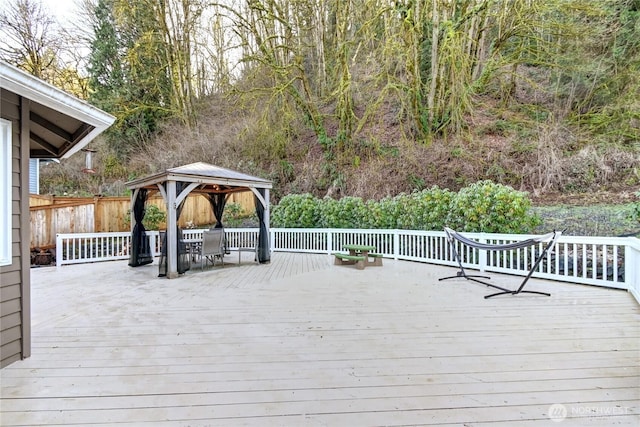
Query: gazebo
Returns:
{"type": "Point", "coordinates": [215, 183]}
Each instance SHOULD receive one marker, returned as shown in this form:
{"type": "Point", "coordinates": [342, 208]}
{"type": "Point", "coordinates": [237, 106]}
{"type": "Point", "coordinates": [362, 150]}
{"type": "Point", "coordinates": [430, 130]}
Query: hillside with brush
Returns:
{"type": "Point", "coordinates": [365, 98]}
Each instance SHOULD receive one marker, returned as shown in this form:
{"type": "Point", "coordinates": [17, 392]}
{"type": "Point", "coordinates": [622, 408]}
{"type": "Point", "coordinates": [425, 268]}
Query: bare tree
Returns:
{"type": "Point", "coordinates": [31, 37]}
{"type": "Point", "coordinates": [34, 41]}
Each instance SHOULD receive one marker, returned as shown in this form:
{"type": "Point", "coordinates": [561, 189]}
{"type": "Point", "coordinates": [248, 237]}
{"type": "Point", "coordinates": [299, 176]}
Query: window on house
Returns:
{"type": "Point", "coordinates": [5, 192]}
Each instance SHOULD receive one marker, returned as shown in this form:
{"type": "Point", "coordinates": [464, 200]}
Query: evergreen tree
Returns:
{"type": "Point", "coordinates": [128, 76]}
{"type": "Point", "coordinates": [105, 68]}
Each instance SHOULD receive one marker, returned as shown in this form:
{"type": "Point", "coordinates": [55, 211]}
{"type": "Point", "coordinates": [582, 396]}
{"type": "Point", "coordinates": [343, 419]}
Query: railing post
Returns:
{"type": "Point", "coordinates": [329, 241]}
{"type": "Point", "coordinates": [632, 268]}
{"type": "Point", "coordinates": [58, 250]}
{"type": "Point", "coordinates": [152, 242]}
{"type": "Point", "coordinates": [396, 244]}
{"type": "Point", "coordinates": [272, 239]}
{"type": "Point", "coordinates": [482, 255]}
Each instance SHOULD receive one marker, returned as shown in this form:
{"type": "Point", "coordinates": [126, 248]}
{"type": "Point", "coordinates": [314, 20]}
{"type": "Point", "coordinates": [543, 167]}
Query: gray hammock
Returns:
{"type": "Point", "coordinates": [452, 236]}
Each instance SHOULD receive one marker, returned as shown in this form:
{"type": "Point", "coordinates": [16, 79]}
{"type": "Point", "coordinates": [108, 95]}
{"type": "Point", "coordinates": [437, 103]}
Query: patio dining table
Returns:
{"type": "Point", "coordinates": [193, 247]}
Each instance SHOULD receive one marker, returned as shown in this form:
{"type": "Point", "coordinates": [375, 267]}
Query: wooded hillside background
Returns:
{"type": "Point", "coordinates": [358, 97]}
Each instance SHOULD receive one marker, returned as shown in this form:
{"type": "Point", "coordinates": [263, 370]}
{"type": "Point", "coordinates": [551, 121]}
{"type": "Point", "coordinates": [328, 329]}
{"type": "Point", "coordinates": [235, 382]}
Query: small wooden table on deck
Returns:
{"type": "Point", "coordinates": [360, 255]}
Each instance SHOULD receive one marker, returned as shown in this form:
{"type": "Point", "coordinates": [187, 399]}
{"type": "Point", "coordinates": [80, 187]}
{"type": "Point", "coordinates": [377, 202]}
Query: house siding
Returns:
{"type": "Point", "coordinates": [14, 278]}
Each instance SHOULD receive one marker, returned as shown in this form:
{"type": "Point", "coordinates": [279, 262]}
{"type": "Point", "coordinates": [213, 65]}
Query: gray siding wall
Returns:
{"type": "Point", "coordinates": [14, 279]}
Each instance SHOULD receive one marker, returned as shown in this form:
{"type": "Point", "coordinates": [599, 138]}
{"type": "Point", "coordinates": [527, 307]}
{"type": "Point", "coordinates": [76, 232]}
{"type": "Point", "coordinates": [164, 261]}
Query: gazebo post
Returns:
{"type": "Point", "coordinates": [172, 237]}
{"type": "Point", "coordinates": [267, 215]}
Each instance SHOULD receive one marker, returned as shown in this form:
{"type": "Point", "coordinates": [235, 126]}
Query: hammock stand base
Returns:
{"type": "Point", "coordinates": [451, 235]}
{"type": "Point", "coordinates": [463, 274]}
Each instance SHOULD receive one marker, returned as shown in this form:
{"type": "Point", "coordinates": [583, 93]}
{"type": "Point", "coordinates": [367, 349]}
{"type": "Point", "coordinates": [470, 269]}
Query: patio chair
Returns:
{"type": "Point", "coordinates": [224, 240]}
{"type": "Point", "coordinates": [212, 247]}
{"type": "Point", "coordinates": [453, 236]}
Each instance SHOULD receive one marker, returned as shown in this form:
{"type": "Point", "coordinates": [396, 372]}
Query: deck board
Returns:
{"type": "Point", "coordinates": [300, 341]}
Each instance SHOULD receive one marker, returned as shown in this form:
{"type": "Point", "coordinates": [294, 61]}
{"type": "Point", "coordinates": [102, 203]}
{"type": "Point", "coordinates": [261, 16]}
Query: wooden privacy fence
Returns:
{"type": "Point", "coordinates": [51, 215]}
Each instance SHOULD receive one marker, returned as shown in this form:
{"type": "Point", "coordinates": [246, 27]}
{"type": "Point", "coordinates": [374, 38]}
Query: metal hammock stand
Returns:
{"type": "Point", "coordinates": [452, 235]}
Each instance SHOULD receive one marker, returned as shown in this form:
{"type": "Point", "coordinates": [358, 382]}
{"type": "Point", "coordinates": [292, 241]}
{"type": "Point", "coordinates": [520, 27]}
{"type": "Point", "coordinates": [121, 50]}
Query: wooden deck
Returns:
{"type": "Point", "coordinates": [301, 342]}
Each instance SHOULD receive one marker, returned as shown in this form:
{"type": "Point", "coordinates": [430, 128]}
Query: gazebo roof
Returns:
{"type": "Point", "coordinates": [214, 179]}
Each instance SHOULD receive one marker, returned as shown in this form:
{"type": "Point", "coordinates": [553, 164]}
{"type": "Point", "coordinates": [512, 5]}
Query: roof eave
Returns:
{"type": "Point", "coordinates": [28, 86]}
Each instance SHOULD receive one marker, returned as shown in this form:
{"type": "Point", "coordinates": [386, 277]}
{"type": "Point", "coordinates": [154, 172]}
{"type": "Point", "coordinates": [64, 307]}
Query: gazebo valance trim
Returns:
{"type": "Point", "coordinates": [153, 181]}
{"type": "Point", "coordinates": [225, 185]}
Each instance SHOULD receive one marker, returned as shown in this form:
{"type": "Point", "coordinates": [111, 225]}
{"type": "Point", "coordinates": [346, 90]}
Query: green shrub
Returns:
{"type": "Point", "coordinates": [635, 209]}
{"type": "Point", "coordinates": [233, 215]}
{"type": "Point", "coordinates": [381, 214]}
{"type": "Point", "coordinates": [296, 211]}
{"type": "Point", "coordinates": [348, 212]}
{"type": "Point", "coordinates": [153, 217]}
{"type": "Point", "coordinates": [493, 208]}
{"type": "Point", "coordinates": [400, 210]}
{"type": "Point", "coordinates": [424, 210]}
{"type": "Point", "coordinates": [483, 206]}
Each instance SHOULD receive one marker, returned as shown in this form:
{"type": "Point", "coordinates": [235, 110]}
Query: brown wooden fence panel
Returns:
{"type": "Point", "coordinates": [196, 212]}
{"type": "Point", "coordinates": [41, 229]}
{"type": "Point", "coordinates": [60, 214]}
{"type": "Point", "coordinates": [38, 200]}
{"type": "Point", "coordinates": [112, 214]}
{"type": "Point", "coordinates": [47, 221]}
{"type": "Point", "coordinates": [244, 199]}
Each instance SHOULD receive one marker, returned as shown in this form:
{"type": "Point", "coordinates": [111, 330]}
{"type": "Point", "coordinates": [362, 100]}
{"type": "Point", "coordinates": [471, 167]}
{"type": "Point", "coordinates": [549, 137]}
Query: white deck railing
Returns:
{"type": "Point", "coordinates": [602, 261]}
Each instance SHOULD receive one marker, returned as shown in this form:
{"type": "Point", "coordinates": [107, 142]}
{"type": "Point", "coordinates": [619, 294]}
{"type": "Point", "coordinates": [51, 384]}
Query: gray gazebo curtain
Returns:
{"type": "Point", "coordinates": [140, 250]}
{"type": "Point", "coordinates": [180, 186]}
{"type": "Point", "coordinates": [264, 256]}
{"type": "Point", "coordinates": [218, 202]}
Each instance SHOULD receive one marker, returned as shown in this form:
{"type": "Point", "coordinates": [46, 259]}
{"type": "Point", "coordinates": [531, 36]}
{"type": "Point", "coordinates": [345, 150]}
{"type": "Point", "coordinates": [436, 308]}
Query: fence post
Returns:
{"type": "Point", "coordinates": [329, 241]}
{"type": "Point", "coordinates": [97, 217]}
